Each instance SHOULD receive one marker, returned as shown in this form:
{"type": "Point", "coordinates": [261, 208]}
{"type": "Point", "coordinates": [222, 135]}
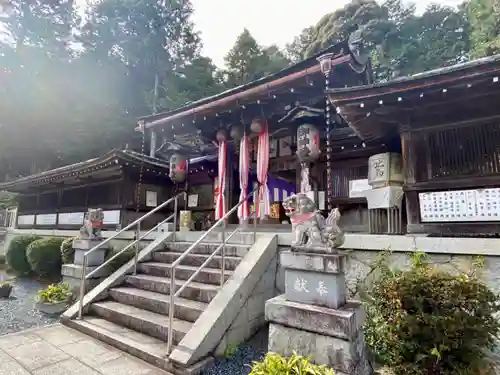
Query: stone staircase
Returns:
{"type": "Point", "coordinates": [134, 315]}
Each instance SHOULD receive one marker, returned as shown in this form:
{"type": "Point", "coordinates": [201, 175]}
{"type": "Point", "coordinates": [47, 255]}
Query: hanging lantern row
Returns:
{"type": "Point", "coordinates": [444, 90]}
{"type": "Point", "coordinates": [94, 169]}
{"type": "Point", "coordinates": [201, 170]}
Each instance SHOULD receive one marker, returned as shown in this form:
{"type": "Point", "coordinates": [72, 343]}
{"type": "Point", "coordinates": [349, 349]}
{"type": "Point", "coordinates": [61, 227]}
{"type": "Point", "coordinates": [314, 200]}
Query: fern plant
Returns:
{"type": "Point", "coordinates": [275, 364]}
{"type": "Point", "coordinates": [55, 293]}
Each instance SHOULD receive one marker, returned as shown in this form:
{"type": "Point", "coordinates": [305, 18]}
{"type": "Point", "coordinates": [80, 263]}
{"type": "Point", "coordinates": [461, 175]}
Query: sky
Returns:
{"type": "Point", "coordinates": [269, 21]}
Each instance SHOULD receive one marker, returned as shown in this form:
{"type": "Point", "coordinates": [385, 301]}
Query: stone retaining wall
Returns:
{"type": "Point", "coordinates": [359, 261]}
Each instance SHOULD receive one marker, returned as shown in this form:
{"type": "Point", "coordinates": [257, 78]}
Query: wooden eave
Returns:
{"type": "Point", "coordinates": [435, 98]}
{"type": "Point", "coordinates": [106, 165]}
{"type": "Point", "coordinates": [304, 72]}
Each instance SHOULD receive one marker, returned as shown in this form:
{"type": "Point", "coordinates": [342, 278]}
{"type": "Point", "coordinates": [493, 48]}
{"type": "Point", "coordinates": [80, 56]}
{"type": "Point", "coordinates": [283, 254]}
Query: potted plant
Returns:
{"type": "Point", "coordinates": [54, 299]}
{"type": "Point", "coordinates": [5, 289]}
{"type": "Point", "coordinates": [197, 221]}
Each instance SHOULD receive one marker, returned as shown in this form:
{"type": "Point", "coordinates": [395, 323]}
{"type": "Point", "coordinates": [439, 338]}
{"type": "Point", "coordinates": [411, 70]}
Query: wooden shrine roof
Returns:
{"type": "Point", "coordinates": [302, 81]}
{"type": "Point", "coordinates": [106, 165]}
{"type": "Point", "coordinates": [451, 95]}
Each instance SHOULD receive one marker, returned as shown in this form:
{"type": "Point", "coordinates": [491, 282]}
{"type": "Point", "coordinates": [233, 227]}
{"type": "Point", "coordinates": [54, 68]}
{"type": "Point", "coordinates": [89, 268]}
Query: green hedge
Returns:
{"type": "Point", "coordinates": [424, 321]}
{"type": "Point", "coordinates": [67, 251]}
{"type": "Point", "coordinates": [120, 260]}
{"type": "Point", "coordinates": [16, 254]}
{"type": "Point", "coordinates": [44, 256]}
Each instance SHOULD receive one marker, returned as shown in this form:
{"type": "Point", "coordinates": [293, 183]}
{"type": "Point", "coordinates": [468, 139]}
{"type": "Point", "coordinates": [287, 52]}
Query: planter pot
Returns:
{"type": "Point", "coordinates": [94, 259]}
{"type": "Point", "coordinates": [5, 291]}
{"type": "Point", "coordinates": [52, 308]}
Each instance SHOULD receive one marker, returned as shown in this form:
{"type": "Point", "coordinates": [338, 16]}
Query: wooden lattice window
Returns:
{"type": "Point", "coordinates": [74, 197]}
{"type": "Point", "coordinates": [472, 150]}
{"type": "Point", "coordinates": [342, 176]}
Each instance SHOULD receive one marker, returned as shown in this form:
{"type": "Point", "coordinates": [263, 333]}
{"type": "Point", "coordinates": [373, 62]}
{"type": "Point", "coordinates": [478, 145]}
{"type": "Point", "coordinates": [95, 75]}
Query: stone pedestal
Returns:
{"type": "Point", "coordinates": [313, 317]}
{"type": "Point", "coordinates": [72, 274]}
{"type": "Point", "coordinates": [81, 246]}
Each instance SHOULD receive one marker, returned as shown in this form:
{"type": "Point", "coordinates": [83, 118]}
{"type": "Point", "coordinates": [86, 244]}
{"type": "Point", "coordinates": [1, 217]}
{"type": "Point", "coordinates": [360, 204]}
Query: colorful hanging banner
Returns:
{"type": "Point", "coordinates": [220, 207]}
{"type": "Point", "coordinates": [243, 210]}
{"type": "Point", "coordinates": [262, 169]}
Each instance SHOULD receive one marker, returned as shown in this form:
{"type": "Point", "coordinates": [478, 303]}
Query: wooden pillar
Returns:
{"type": "Point", "coordinates": [409, 154]}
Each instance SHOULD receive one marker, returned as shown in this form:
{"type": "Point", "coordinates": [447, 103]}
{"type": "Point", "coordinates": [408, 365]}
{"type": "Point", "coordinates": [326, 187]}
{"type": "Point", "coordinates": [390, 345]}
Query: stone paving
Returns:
{"type": "Point", "coordinates": [58, 350]}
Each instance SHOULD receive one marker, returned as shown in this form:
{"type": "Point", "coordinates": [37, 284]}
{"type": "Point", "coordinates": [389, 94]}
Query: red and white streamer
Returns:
{"type": "Point", "coordinates": [243, 210]}
{"type": "Point", "coordinates": [262, 170]}
{"type": "Point", "coordinates": [220, 207]}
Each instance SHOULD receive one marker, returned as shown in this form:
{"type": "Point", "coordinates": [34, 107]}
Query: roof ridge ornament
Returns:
{"type": "Point", "coordinates": [359, 53]}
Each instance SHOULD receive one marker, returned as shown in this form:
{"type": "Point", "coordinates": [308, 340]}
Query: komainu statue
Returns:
{"type": "Point", "coordinates": [92, 223]}
{"type": "Point", "coordinates": [311, 230]}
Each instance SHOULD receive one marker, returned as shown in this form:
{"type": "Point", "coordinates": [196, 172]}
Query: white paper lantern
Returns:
{"type": "Point", "coordinates": [221, 135]}
{"type": "Point", "coordinates": [257, 125]}
{"type": "Point", "coordinates": [308, 143]}
{"type": "Point", "coordinates": [178, 168]}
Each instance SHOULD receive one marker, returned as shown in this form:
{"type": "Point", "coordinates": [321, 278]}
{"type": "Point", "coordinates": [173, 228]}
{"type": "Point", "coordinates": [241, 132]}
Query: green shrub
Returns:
{"type": "Point", "coordinates": [120, 260]}
{"type": "Point", "coordinates": [16, 254]}
{"type": "Point", "coordinates": [55, 293]}
{"type": "Point", "coordinates": [67, 251]}
{"type": "Point", "coordinates": [275, 364]}
{"type": "Point", "coordinates": [44, 256]}
{"type": "Point", "coordinates": [424, 321]}
{"type": "Point", "coordinates": [2, 259]}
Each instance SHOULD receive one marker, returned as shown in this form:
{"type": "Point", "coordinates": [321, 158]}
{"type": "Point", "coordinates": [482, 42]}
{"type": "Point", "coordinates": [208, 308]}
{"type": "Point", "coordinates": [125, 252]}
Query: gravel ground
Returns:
{"type": "Point", "coordinates": [17, 313]}
{"type": "Point", "coordinates": [239, 363]}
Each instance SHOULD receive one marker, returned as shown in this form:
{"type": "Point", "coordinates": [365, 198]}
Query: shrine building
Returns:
{"type": "Point", "coordinates": [415, 155]}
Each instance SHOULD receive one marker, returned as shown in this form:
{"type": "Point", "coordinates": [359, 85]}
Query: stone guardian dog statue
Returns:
{"type": "Point", "coordinates": [312, 232]}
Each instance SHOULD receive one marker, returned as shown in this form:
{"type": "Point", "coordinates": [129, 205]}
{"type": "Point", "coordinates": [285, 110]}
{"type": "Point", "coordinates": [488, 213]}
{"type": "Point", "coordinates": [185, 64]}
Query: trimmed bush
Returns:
{"type": "Point", "coordinates": [120, 260]}
{"type": "Point", "coordinates": [67, 251]}
{"type": "Point", "coordinates": [2, 259]}
{"type": "Point", "coordinates": [44, 256]}
{"type": "Point", "coordinates": [295, 365]}
{"type": "Point", "coordinates": [16, 254]}
{"type": "Point", "coordinates": [424, 321]}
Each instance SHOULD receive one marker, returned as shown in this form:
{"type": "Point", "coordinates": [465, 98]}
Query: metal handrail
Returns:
{"type": "Point", "coordinates": [173, 293]}
{"type": "Point", "coordinates": [136, 242]}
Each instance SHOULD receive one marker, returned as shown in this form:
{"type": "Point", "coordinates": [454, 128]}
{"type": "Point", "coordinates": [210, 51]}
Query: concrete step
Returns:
{"type": "Point", "coordinates": [132, 342]}
{"type": "Point", "coordinates": [182, 272]}
{"type": "Point", "coordinates": [230, 262]}
{"type": "Point", "coordinates": [245, 238]}
{"type": "Point", "coordinates": [185, 309]}
{"type": "Point", "coordinates": [194, 291]}
{"type": "Point", "coordinates": [147, 322]}
{"type": "Point", "coordinates": [232, 250]}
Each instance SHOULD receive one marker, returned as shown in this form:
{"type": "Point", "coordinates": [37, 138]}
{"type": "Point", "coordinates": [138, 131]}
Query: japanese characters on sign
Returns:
{"type": "Point", "coordinates": [460, 205]}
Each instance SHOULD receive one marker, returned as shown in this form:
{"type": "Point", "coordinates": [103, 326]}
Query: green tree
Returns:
{"type": "Point", "coordinates": [337, 26]}
{"type": "Point", "coordinates": [437, 38]}
{"type": "Point", "coordinates": [34, 50]}
{"type": "Point", "coordinates": [484, 17]}
{"type": "Point", "coordinates": [243, 61]}
{"type": "Point", "coordinates": [194, 81]}
{"type": "Point", "coordinates": [248, 61]}
{"type": "Point", "coordinates": [297, 48]}
{"type": "Point", "coordinates": [149, 37]}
